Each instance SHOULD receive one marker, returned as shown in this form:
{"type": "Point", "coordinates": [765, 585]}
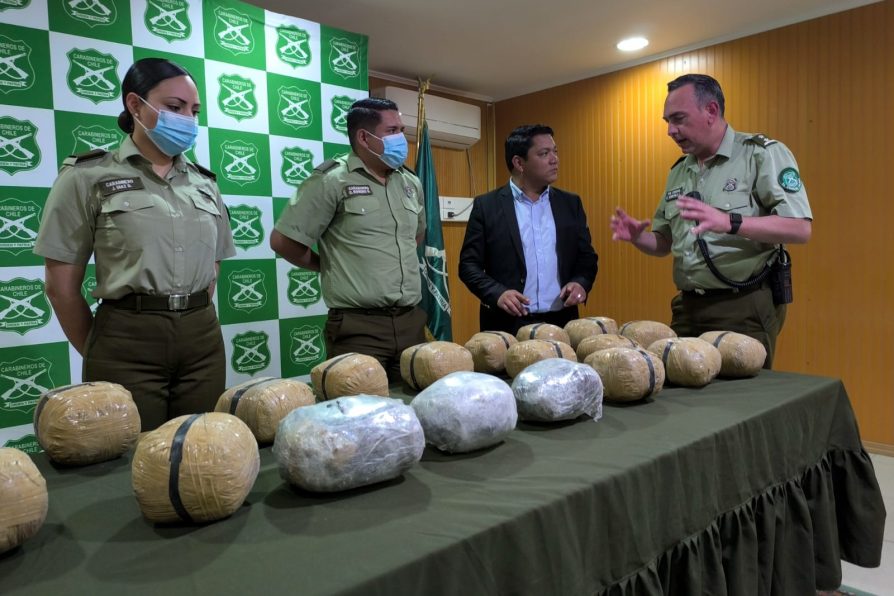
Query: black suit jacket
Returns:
{"type": "Point", "coordinates": [492, 258]}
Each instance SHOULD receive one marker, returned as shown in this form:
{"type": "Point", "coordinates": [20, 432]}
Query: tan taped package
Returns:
{"type": "Point", "coordinates": [423, 364]}
{"type": "Point", "coordinates": [261, 403]}
{"type": "Point", "coordinates": [349, 374]}
{"type": "Point", "coordinates": [580, 329]}
{"type": "Point", "coordinates": [688, 361]}
{"type": "Point", "coordinates": [645, 333]}
{"type": "Point", "coordinates": [627, 374]}
{"type": "Point", "coordinates": [488, 349]}
{"type": "Point", "coordinates": [742, 356]}
{"type": "Point", "coordinates": [86, 423]}
{"type": "Point", "coordinates": [526, 353]}
{"type": "Point", "coordinates": [594, 343]}
{"type": "Point", "coordinates": [542, 331]}
{"type": "Point", "coordinates": [23, 498]}
{"type": "Point", "coordinates": [195, 468]}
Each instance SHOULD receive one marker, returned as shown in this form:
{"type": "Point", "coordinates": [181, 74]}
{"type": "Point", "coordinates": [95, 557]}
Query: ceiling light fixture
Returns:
{"type": "Point", "coordinates": [632, 44]}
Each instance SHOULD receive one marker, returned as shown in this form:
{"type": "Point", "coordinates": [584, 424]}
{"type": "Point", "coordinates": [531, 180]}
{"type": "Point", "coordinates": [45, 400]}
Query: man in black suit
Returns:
{"type": "Point", "coordinates": [527, 253]}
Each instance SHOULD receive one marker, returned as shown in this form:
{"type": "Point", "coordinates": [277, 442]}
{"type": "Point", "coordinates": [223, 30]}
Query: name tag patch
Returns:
{"type": "Point", "coordinates": [358, 190]}
{"type": "Point", "coordinates": [110, 187]}
{"type": "Point", "coordinates": [674, 194]}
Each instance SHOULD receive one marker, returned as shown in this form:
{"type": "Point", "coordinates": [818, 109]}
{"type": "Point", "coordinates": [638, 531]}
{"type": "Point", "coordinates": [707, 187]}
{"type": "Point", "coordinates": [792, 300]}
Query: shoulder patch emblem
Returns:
{"type": "Point", "coordinates": [204, 171]}
{"type": "Point", "coordinates": [790, 180]}
{"type": "Point", "coordinates": [83, 157]}
{"type": "Point", "coordinates": [326, 166]}
{"type": "Point", "coordinates": [762, 140]}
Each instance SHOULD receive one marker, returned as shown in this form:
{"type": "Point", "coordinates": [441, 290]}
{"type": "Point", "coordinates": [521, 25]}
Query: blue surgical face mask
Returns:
{"type": "Point", "coordinates": [173, 133]}
{"type": "Point", "coordinates": [395, 152]}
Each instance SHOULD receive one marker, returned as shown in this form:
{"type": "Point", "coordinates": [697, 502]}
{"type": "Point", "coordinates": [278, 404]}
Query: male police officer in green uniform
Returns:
{"type": "Point", "coordinates": [366, 211]}
{"type": "Point", "coordinates": [742, 195]}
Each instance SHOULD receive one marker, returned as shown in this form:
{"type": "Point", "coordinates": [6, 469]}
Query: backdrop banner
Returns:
{"type": "Point", "coordinates": [275, 91]}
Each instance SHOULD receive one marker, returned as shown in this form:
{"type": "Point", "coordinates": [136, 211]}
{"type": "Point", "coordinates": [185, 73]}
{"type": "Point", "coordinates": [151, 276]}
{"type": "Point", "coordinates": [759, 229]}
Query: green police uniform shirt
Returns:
{"type": "Point", "coordinates": [751, 175]}
{"type": "Point", "coordinates": [366, 232]}
{"type": "Point", "coordinates": [148, 235]}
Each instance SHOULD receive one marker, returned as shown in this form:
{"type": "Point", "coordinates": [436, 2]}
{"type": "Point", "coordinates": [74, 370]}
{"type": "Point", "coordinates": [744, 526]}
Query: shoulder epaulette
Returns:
{"type": "Point", "coordinates": [762, 140]}
{"type": "Point", "coordinates": [83, 157]}
{"type": "Point", "coordinates": [204, 171]}
{"type": "Point", "coordinates": [409, 169]}
{"type": "Point", "coordinates": [682, 157]}
{"type": "Point", "coordinates": [326, 166]}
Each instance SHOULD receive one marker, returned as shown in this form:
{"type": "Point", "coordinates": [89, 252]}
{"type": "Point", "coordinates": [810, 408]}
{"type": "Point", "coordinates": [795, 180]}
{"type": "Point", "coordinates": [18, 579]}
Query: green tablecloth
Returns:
{"type": "Point", "coordinates": [743, 487]}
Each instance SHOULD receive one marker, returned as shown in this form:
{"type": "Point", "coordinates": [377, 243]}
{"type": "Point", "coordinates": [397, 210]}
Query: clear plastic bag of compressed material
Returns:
{"type": "Point", "coordinates": [558, 389]}
{"type": "Point", "coordinates": [348, 442]}
{"type": "Point", "coordinates": [465, 411]}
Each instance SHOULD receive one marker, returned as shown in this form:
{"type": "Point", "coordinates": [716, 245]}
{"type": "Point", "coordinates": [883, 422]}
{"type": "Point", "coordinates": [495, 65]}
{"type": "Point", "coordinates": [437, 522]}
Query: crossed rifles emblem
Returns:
{"type": "Point", "coordinates": [94, 6]}
{"type": "Point", "coordinates": [237, 99]}
{"type": "Point", "coordinates": [233, 32]}
{"type": "Point", "coordinates": [344, 59]}
{"type": "Point", "coordinates": [250, 354]}
{"type": "Point", "coordinates": [8, 67]}
{"type": "Point", "coordinates": [247, 291]}
{"type": "Point", "coordinates": [305, 347]}
{"type": "Point", "coordinates": [295, 109]}
{"type": "Point", "coordinates": [303, 289]}
{"type": "Point", "coordinates": [22, 307]}
{"type": "Point", "coordinates": [240, 165]}
{"type": "Point", "coordinates": [17, 229]}
{"type": "Point", "coordinates": [340, 118]}
{"type": "Point", "coordinates": [167, 18]}
{"type": "Point", "coordinates": [293, 47]}
{"type": "Point", "coordinates": [12, 147]}
{"type": "Point", "coordinates": [297, 168]}
{"type": "Point", "coordinates": [244, 230]}
{"type": "Point", "coordinates": [94, 77]}
{"type": "Point", "coordinates": [23, 387]}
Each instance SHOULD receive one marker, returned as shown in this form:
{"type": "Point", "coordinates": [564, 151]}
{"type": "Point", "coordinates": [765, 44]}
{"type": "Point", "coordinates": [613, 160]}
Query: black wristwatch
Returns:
{"type": "Point", "coordinates": [735, 221]}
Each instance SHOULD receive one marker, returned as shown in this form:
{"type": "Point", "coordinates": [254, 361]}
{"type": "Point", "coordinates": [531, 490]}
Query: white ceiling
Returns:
{"type": "Point", "coordinates": [497, 49]}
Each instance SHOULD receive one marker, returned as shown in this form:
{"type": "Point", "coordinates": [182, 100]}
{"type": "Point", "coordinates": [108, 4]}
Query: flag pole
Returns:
{"type": "Point", "coordinates": [420, 110]}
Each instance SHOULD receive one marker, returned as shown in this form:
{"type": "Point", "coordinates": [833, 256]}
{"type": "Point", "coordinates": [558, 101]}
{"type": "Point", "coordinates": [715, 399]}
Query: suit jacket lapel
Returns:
{"type": "Point", "coordinates": [507, 204]}
{"type": "Point", "coordinates": [557, 206]}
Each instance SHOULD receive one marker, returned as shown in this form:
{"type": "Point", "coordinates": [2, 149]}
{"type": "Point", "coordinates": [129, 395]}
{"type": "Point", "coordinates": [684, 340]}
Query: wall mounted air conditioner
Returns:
{"type": "Point", "coordinates": [451, 124]}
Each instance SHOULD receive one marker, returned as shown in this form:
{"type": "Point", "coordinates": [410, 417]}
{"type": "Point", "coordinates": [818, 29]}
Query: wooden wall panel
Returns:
{"type": "Point", "coordinates": [823, 87]}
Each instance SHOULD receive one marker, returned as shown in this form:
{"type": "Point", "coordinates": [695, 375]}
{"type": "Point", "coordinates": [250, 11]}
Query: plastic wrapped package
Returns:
{"type": "Point", "coordinates": [195, 468]}
{"type": "Point", "coordinates": [488, 349]}
{"type": "Point", "coordinates": [349, 374]}
{"type": "Point", "coordinates": [594, 343]}
{"type": "Point", "coordinates": [542, 331]}
{"type": "Point", "coordinates": [645, 333]}
{"type": "Point", "coordinates": [627, 374]}
{"type": "Point", "coordinates": [525, 353]}
{"type": "Point", "coordinates": [742, 356]}
{"type": "Point", "coordinates": [262, 403]}
{"type": "Point", "coordinates": [465, 411]}
{"type": "Point", "coordinates": [23, 498]}
{"type": "Point", "coordinates": [423, 364]}
{"type": "Point", "coordinates": [557, 389]}
{"type": "Point", "coordinates": [86, 423]}
{"type": "Point", "coordinates": [688, 361]}
{"type": "Point", "coordinates": [347, 443]}
{"type": "Point", "coordinates": [580, 329]}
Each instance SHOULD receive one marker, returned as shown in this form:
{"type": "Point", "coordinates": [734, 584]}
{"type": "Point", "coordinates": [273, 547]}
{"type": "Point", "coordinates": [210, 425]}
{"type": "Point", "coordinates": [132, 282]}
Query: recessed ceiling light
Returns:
{"type": "Point", "coordinates": [632, 44]}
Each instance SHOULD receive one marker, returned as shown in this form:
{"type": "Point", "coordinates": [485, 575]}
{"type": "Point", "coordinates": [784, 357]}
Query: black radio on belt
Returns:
{"type": "Point", "coordinates": [781, 278]}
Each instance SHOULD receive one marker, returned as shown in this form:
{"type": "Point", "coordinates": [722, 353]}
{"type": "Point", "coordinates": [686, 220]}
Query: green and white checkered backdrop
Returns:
{"type": "Point", "coordinates": [275, 91]}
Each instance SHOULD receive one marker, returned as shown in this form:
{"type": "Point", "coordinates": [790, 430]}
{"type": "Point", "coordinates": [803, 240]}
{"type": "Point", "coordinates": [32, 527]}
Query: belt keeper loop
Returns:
{"type": "Point", "coordinates": [139, 303]}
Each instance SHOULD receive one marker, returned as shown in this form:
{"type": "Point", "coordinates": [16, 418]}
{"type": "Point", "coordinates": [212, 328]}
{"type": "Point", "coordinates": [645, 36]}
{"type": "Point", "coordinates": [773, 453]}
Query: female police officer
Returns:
{"type": "Point", "coordinates": [158, 228]}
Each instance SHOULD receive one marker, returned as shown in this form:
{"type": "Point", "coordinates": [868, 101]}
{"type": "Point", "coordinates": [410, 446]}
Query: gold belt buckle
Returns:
{"type": "Point", "coordinates": [178, 301]}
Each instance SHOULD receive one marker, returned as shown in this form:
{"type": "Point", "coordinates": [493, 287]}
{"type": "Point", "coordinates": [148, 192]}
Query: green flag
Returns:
{"type": "Point", "coordinates": [432, 258]}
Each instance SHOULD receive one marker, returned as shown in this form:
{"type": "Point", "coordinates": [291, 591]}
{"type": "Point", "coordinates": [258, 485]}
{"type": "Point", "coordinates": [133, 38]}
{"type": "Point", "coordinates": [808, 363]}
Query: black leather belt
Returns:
{"type": "Point", "coordinates": [384, 311]}
{"type": "Point", "coordinates": [174, 302]}
{"type": "Point", "coordinates": [719, 292]}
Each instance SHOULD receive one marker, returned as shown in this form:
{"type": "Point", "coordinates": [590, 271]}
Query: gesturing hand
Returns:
{"type": "Point", "coordinates": [514, 303]}
{"type": "Point", "coordinates": [625, 227]}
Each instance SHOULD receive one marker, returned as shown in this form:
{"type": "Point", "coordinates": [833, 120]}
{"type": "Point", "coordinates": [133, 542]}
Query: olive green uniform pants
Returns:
{"type": "Point", "coordinates": [173, 363]}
